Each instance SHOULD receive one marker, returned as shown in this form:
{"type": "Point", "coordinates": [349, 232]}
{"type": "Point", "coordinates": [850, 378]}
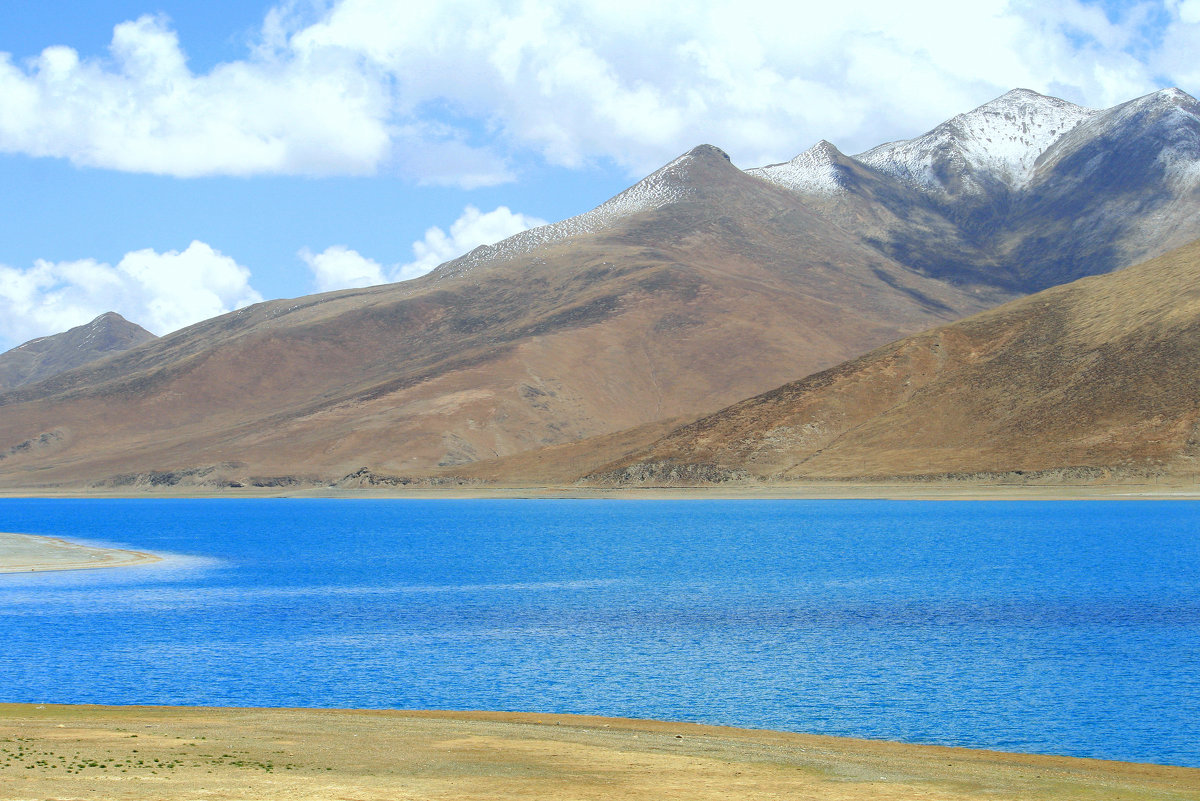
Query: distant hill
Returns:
{"type": "Point", "coordinates": [41, 358]}
{"type": "Point", "coordinates": [1100, 377]}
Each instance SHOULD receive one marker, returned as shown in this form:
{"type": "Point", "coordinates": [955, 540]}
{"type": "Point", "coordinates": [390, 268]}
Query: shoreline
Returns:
{"type": "Point", "coordinates": [137, 752]}
{"type": "Point", "coordinates": [34, 553]}
{"type": "Point", "coordinates": [931, 491]}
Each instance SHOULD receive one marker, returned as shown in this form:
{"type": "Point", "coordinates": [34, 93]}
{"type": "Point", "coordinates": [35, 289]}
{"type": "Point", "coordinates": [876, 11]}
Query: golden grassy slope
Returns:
{"type": "Point", "coordinates": [1095, 376]}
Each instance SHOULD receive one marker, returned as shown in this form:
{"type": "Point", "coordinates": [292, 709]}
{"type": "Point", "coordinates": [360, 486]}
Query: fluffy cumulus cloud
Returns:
{"type": "Point", "coordinates": [143, 110]}
{"type": "Point", "coordinates": [339, 267]}
{"type": "Point", "coordinates": [461, 91]}
{"type": "Point", "coordinates": [160, 291]}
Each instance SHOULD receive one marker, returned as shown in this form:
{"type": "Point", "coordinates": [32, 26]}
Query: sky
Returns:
{"type": "Point", "coordinates": [173, 160]}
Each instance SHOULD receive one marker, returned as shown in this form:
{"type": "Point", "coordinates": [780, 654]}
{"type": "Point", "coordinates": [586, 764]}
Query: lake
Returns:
{"type": "Point", "coordinates": [1068, 628]}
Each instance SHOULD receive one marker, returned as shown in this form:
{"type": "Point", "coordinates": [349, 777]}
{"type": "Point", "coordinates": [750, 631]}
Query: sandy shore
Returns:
{"type": "Point", "coordinates": [26, 553]}
{"type": "Point", "coordinates": [958, 491]}
{"type": "Point", "coordinates": [77, 752]}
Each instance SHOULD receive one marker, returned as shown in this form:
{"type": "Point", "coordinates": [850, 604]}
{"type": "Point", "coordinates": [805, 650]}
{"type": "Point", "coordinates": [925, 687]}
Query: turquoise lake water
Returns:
{"type": "Point", "coordinates": [1069, 628]}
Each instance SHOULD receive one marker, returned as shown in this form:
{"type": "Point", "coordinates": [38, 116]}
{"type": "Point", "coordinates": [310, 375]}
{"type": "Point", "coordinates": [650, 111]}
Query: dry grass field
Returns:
{"type": "Point", "coordinates": [88, 752]}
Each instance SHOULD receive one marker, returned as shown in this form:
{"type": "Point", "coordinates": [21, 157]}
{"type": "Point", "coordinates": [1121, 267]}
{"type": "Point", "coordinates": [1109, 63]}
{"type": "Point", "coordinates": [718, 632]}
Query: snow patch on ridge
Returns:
{"type": "Point", "coordinates": [1180, 114]}
{"type": "Point", "coordinates": [669, 184]}
{"type": "Point", "coordinates": [1001, 139]}
{"type": "Point", "coordinates": [1180, 171]}
{"type": "Point", "coordinates": [1168, 119]}
{"type": "Point", "coordinates": [815, 171]}
{"type": "Point", "coordinates": [1181, 161]}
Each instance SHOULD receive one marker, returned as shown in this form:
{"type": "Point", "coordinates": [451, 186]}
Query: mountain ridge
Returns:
{"type": "Point", "coordinates": [663, 311]}
{"type": "Point", "coordinates": [697, 287]}
{"type": "Point", "coordinates": [667, 185]}
{"type": "Point", "coordinates": [1018, 126]}
{"type": "Point", "coordinates": [1067, 192]}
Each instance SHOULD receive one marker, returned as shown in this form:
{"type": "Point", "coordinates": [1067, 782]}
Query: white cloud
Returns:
{"type": "Point", "coordinates": [763, 79]}
{"type": "Point", "coordinates": [472, 229]}
{"type": "Point", "coordinates": [1188, 11]}
{"type": "Point", "coordinates": [1177, 56]}
{"type": "Point", "coordinates": [143, 110]}
{"type": "Point", "coordinates": [339, 267]}
{"type": "Point", "coordinates": [454, 92]}
{"type": "Point", "coordinates": [160, 291]}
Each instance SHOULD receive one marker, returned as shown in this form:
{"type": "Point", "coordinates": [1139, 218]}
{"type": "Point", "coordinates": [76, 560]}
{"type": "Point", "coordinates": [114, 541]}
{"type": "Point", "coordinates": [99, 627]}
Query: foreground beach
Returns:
{"type": "Point", "coordinates": [77, 752]}
{"type": "Point", "coordinates": [26, 553]}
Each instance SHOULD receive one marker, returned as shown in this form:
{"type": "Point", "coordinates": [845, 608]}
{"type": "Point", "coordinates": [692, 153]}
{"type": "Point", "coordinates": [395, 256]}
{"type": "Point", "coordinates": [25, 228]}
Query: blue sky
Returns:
{"type": "Point", "coordinates": [173, 160]}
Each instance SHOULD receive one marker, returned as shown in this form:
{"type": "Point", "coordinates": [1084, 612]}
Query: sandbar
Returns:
{"type": "Point", "coordinates": [29, 553]}
{"type": "Point", "coordinates": [75, 752]}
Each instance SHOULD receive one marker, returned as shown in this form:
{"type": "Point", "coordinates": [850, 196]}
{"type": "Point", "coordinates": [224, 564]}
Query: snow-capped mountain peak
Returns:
{"type": "Point", "coordinates": [815, 171]}
{"type": "Point", "coordinates": [1174, 94]}
{"type": "Point", "coordinates": [998, 141]}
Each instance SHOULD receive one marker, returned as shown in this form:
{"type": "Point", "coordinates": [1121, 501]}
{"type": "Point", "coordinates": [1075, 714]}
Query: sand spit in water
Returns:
{"type": "Point", "coordinates": [27, 553]}
{"type": "Point", "coordinates": [75, 752]}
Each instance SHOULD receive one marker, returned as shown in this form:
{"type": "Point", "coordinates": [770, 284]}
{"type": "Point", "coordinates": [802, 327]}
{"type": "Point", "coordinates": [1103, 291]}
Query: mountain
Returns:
{"type": "Point", "coordinates": [993, 148]}
{"type": "Point", "coordinates": [1095, 378]}
{"type": "Point", "coordinates": [41, 358]}
{"type": "Point", "coordinates": [1020, 194]}
{"type": "Point", "coordinates": [698, 286]}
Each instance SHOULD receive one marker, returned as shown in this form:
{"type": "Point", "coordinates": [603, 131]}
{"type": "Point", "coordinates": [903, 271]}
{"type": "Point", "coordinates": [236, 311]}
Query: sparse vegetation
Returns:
{"type": "Point", "coordinates": [51, 754]}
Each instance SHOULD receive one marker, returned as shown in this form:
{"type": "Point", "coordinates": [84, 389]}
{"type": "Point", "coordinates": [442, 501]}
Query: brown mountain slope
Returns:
{"type": "Point", "coordinates": [41, 358]}
{"type": "Point", "coordinates": [1099, 375]}
{"type": "Point", "coordinates": [698, 286]}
